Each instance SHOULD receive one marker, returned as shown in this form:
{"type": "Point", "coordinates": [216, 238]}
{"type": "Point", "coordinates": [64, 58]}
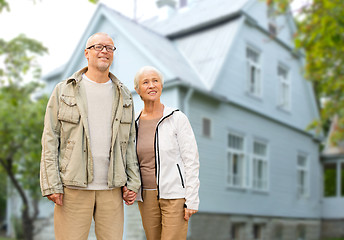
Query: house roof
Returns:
{"type": "Point", "coordinates": [207, 50]}
{"type": "Point", "coordinates": [331, 148]}
{"type": "Point", "coordinates": [158, 47]}
{"type": "Point", "coordinates": [200, 15]}
{"type": "Point", "coordinates": [203, 61]}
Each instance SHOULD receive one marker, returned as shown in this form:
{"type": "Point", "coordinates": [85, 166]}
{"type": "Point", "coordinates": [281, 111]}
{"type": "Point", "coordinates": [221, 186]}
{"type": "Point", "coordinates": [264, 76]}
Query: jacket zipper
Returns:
{"type": "Point", "coordinates": [180, 174]}
{"type": "Point", "coordinates": [156, 150]}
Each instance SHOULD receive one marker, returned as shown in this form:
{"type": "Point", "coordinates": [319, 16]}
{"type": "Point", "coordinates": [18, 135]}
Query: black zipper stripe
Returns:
{"type": "Point", "coordinates": [156, 150]}
{"type": "Point", "coordinates": [180, 174]}
{"type": "Point", "coordinates": [157, 173]}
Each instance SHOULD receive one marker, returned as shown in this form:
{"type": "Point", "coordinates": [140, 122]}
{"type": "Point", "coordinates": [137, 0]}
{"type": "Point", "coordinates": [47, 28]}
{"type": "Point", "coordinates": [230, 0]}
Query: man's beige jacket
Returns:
{"type": "Point", "coordinates": [66, 154]}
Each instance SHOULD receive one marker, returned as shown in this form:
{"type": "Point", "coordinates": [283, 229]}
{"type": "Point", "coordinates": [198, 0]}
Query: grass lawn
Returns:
{"type": "Point", "coordinates": [3, 238]}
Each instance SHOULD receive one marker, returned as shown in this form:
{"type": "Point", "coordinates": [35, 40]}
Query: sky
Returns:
{"type": "Point", "coordinates": [59, 24]}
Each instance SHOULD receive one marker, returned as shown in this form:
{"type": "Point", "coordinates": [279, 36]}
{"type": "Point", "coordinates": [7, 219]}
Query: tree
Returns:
{"type": "Point", "coordinates": [3, 5]}
{"type": "Point", "coordinates": [320, 28]}
{"type": "Point", "coordinates": [21, 122]}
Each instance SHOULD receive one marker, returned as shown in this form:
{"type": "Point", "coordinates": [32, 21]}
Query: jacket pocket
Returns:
{"type": "Point", "coordinates": [67, 155]}
{"type": "Point", "coordinates": [181, 176]}
{"type": "Point", "coordinates": [127, 112]}
{"type": "Point", "coordinates": [68, 110]}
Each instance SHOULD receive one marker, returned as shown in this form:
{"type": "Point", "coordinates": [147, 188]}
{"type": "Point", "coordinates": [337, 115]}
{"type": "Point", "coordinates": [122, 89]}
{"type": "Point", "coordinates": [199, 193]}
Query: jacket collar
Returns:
{"type": "Point", "coordinates": [167, 111]}
{"type": "Point", "coordinates": [77, 77]}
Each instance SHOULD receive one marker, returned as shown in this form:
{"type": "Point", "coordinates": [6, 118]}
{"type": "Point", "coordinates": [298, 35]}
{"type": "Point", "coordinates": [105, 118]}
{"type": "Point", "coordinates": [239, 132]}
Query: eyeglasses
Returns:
{"type": "Point", "coordinates": [100, 47]}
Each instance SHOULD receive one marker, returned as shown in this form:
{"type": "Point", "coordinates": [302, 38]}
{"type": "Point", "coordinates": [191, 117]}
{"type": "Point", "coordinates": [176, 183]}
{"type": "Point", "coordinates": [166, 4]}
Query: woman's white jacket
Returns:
{"type": "Point", "coordinates": [176, 158]}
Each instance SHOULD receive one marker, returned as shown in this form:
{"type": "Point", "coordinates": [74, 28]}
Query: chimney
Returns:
{"type": "Point", "coordinates": [163, 3]}
{"type": "Point", "coordinates": [166, 8]}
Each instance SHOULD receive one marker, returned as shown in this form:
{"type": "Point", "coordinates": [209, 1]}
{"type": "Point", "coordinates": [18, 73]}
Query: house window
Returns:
{"type": "Point", "coordinates": [330, 179]}
{"type": "Point", "coordinates": [301, 232]}
{"type": "Point", "coordinates": [237, 231]}
{"type": "Point", "coordinates": [260, 166]}
{"type": "Point", "coordinates": [272, 25]}
{"type": "Point", "coordinates": [278, 233]}
{"type": "Point", "coordinates": [206, 127]}
{"type": "Point", "coordinates": [235, 161]}
{"type": "Point", "coordinates": [284, 91]}
{"type": "Point", "coordinates": [302, 174]}
{"type": "Point", "coordinates": [258, 231]}
{"type": "Point", "coordinates": [253, 72]}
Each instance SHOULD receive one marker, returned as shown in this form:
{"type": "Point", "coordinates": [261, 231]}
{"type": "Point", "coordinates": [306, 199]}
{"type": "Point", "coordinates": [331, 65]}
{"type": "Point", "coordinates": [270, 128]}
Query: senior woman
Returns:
{"type": "Point", "coordinates": [169, 163]}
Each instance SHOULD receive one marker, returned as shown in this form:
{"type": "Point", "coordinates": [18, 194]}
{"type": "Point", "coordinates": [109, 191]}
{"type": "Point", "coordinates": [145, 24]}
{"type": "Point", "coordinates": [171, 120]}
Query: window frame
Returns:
{"type": "Point", "coordinates": [243, 156]}
{"type": "Point", "coordinates": [284, 100]}
{"type": "Point", "coordinates": [304, 193]}
{"type": "Point", "coordinates": [253, 88]}
{"type": "Point", "coordinates": [260, 158]}
{"type": "Point", "coordinates": [272, 19]}
{"type": "Point", "coordinates": [210, 127]}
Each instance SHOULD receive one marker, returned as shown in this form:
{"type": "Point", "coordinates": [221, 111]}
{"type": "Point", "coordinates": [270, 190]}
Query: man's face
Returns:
{"type": "Point", "coordinates": [101, 60]}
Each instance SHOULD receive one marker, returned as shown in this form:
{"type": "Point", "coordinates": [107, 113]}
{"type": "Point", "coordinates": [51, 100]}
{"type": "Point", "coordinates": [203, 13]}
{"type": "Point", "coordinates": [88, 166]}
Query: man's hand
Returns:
{"type": "Point", "coordinates": [128, 196]}
{"type": "Point", "coordinates": [56, 198]}
{"type": "Point", "coordinates": [188, 213]}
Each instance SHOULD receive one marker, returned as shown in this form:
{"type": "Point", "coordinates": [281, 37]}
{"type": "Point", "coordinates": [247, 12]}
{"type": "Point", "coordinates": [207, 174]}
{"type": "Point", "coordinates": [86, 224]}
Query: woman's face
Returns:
{"type": "Point", "coordinates": [150, 86]}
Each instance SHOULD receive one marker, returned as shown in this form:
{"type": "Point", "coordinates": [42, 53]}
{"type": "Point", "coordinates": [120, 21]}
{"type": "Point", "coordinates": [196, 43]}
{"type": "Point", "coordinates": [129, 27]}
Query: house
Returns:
{"type": "Point", "coordinates": [333, 171]}
{"type": "Point", "coordinates": [232, 68]}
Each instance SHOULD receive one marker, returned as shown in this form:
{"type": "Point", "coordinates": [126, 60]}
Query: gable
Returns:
{"type": "Point", "coordinates": [233, 81]}
{"type": "Point", "coordinates": [137, 46]}
{"type": "Point", "coordinates": [284, 24]}
{"type": "Point", "coordinates": [203, 14]}
{"type": "Point", "coordinates": [206, 50]}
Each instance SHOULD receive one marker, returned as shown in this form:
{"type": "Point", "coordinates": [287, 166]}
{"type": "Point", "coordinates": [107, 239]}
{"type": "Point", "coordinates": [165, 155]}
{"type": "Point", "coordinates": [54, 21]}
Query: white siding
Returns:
{"type": "Point", "coordinates": [232, 80]}
{"type": "Point", "coordinates": [281, 199]}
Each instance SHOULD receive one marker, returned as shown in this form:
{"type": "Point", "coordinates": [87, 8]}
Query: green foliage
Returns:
{"type": "Point", "coordinates": [321, 35]}
{"type": "Point", "coordinates": [21, 117]}
{"type": "Point", "coordinates": [320, 27]}
{"type": "Point", "coordinates": [3, 195]}
{"type": "Point", "coordinates": [4, 5]}
{"type": "Point", "coordinates": [19, 57]}
{"type": "Point", "coordinates": [20, 132]}
{"type": "Point", "coordinates": [18, 230]}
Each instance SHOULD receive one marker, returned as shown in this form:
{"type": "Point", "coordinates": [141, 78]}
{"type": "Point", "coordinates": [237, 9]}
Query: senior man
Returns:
{"type": "Point", "coordinates": [88, 149]}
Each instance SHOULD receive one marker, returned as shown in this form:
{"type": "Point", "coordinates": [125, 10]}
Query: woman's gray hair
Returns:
{"type": "Point", "coordinates": [144, 69]}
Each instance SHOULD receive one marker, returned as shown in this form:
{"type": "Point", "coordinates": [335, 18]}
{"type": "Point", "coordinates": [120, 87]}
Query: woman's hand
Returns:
{"type": "Point", "coordinates": [188, 213]}
{"type": "Point", "coordinates": [128, 196]}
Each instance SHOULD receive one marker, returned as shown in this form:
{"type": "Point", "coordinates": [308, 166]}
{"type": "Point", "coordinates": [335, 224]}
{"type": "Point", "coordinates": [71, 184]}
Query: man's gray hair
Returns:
{"type": "Point", "coordinates": [144, 69]}
{"type": "Point", "coordinates": [89, 40]}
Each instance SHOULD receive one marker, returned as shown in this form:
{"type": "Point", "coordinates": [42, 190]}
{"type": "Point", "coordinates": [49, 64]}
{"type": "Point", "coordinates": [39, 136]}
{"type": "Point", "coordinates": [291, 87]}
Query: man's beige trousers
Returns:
{"type": "Point", "coordinates": [162, 219]}
{"type": "Point", "coordinates": [72, 221]}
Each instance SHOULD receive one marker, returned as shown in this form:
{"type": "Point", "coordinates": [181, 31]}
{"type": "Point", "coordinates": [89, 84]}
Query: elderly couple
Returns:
{"type": "Point", "coordinates": [96, 153]}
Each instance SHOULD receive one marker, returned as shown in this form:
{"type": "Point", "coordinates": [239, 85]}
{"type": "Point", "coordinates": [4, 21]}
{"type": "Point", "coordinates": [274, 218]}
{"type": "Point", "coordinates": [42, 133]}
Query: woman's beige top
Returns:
{"type": "Point", "coordinates": [145, 152]}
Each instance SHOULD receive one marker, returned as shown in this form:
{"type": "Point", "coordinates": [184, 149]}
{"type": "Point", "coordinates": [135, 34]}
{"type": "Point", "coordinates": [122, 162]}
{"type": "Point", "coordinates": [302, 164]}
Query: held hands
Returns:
{"type": "Point", "coordinates": [128, 195]}
{"type": "Point", "coordinates": [188, 213]}
{"type": "Point", "coordinates": [56, 198]}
